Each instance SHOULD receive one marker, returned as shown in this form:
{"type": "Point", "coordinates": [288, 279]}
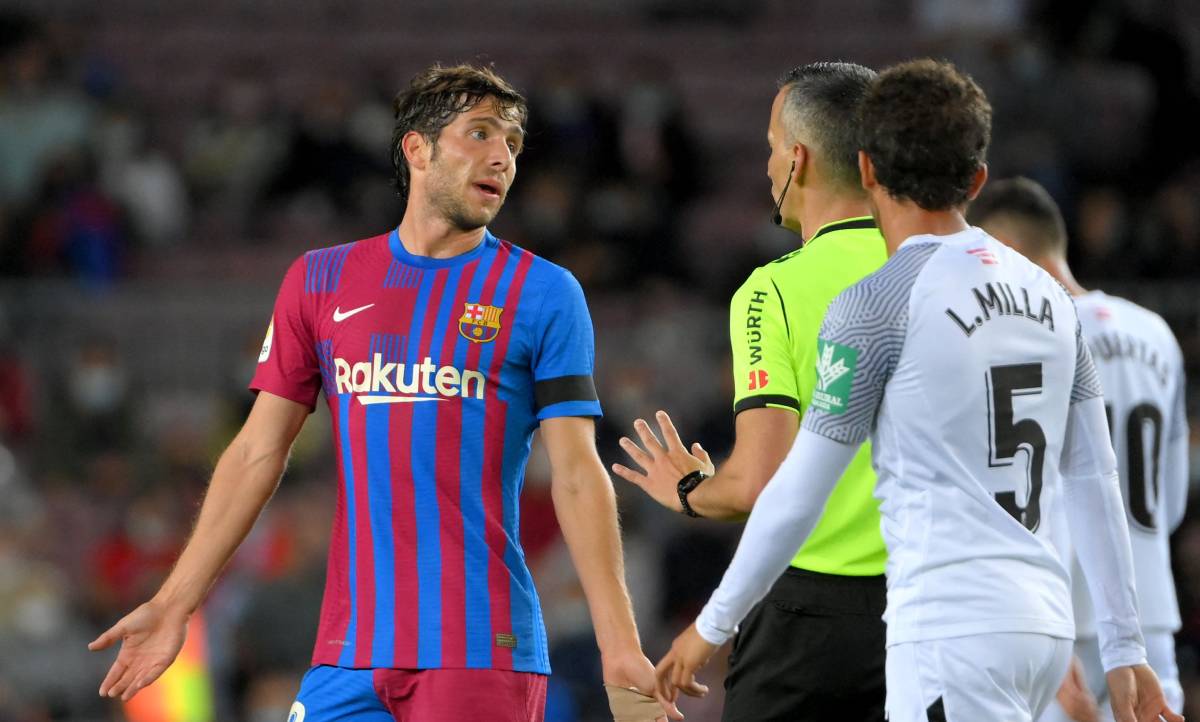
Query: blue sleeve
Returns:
{"type": "Point", "coordinates": [564, 354]}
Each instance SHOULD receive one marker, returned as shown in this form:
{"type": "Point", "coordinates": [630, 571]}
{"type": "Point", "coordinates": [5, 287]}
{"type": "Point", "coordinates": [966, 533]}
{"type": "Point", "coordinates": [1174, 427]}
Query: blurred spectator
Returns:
{"type": "Point", "coordinates": [234, 149]}
{"type": "Point", "coordinates": [40, 116]}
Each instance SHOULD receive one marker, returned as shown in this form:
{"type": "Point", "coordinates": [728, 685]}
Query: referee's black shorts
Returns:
{"type": "Point", "coordinates": [811, 651]}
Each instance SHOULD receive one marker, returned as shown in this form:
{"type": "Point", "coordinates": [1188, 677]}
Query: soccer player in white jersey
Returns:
{"type": "Point", "coordinates": [1141, 371]}
{"type": "Point", "coordinates": [964, 363]}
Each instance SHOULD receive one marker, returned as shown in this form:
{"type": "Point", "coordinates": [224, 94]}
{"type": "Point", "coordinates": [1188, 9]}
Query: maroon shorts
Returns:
{"type": "Point", "coordinates": [335, 694]}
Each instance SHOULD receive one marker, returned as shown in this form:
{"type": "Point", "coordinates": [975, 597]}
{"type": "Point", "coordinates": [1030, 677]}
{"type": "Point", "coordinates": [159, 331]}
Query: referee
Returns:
{"type": "Point", "coordinates": [813, 649]}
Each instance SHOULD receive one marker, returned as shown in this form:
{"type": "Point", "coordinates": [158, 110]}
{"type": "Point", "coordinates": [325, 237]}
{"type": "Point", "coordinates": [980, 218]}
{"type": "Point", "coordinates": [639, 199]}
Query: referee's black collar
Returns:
{"type": "Point", "coordinates": [849, 224]}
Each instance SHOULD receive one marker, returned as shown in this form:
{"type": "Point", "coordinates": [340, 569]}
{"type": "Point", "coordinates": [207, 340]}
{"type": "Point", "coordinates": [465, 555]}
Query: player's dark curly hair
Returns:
{"type": "Point", "coordinates": [436, 95]}
{"type": "Point", "coordinates": [821, 107]}
{"type": "Point", "coordinates": [926, 127]}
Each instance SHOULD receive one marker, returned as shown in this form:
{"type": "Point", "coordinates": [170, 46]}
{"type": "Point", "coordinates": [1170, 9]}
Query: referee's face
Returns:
{"type": "Point", "coordinates": [779, 163]}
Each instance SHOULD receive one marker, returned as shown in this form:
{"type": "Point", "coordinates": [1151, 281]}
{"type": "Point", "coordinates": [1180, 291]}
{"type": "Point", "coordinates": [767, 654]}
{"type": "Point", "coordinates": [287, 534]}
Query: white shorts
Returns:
{"type": "Point", "coordinates": [1160, 653]}
{"type": "Point", "coordinates": [995, 677]}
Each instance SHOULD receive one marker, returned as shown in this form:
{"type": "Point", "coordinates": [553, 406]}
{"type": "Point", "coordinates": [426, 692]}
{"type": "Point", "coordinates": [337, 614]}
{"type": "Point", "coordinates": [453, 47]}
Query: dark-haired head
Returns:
{"type": "Point", "coordinates": [926, 127]}
{"type": "Point", "coordinates": [1020, 212]}
{"type": "Point", "coordinates": [436, 96]}
{"type": "Point", "coordinates": [820, 109]}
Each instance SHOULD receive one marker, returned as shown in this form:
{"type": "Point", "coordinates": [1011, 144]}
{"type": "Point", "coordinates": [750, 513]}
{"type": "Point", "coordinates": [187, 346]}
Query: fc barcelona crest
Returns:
{"type": "Point", "coordinates": [480, 323]}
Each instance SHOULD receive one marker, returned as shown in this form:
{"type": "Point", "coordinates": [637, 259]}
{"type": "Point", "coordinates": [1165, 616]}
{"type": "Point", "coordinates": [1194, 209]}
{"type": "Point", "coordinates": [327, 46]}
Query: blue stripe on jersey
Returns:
{"type": "Point", "coordinates": [325, 364]}
{"type": "Point", "coordinates": [425, 503]}
{"type": "Point", "coordinates": [475, 552]}
{"type": "Point", "coordinates": [379, 483]}
{"type": "Point", "coordinates": [323, 268]}
{"type": "Point", "coordinates": [516, 448]}
{"type": "Point", "coordinates": [347, 657]}
{"type": "Point", "coordinates": [400, 275]}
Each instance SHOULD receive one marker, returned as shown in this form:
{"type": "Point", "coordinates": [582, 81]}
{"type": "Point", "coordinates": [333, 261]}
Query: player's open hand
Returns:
{"type": "Point", "coordinates": [151, 637]}
{"type": "Point", "coordinates": [664, 462]}
{"type": "Point", "coordinates": [1074, 696]}
{"type": "Point", "coordinates": [1137, 696]}
{"type": "Point", "coordinates": [677, 671]}
{"type": "Point", "coordinates": [629, 681]}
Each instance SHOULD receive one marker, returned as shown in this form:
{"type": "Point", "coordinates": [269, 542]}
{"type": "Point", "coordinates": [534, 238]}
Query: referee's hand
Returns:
{"type": "Point", "coordinates": [151, 637]}
{"type": "Point", "coordinates": [677, 671]}
{"type": "Point", "coordinates": [663, 463]}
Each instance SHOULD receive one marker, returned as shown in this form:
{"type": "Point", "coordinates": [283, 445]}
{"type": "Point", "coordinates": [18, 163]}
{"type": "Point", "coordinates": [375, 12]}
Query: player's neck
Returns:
{"type": "Point", "coordinates": [424, 232]}
{"type": "Point", "coordinates": [1058, 268]}
{"type": "Point", "coordinates": [901, 220]}
{"type": "Point", "coordinates": [821, 209]}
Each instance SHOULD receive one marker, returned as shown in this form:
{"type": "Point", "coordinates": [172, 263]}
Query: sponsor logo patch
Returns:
{"type": "Point", "coordinates": [835, 376]}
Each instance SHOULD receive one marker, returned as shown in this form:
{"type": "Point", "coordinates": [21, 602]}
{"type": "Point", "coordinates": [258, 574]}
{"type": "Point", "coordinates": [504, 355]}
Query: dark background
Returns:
{"type": "Point", "coordinates": [162, 162]}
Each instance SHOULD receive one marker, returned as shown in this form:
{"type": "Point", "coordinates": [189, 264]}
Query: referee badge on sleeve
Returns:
{"type": "Point", "coordinates": [835, 376]}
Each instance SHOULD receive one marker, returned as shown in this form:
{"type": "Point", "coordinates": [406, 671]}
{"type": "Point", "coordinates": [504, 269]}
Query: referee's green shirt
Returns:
{"type": "Point", "coordinates": [774, 319]}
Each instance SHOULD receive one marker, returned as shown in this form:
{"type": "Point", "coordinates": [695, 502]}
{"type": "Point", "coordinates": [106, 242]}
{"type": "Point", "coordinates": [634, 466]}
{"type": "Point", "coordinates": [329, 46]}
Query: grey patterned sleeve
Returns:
{"type": "Point", "coordinates": [859, 346]}
{"type": "Point", "coordinates": [1087, 379]}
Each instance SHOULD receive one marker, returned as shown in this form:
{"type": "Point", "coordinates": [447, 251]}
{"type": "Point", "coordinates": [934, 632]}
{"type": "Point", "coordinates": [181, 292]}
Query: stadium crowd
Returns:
{"type": "Point", "coordinates": [123, 199]}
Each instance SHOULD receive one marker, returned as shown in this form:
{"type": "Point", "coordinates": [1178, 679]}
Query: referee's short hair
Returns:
{"type": "Point", "coordinates": [1026, 203]}
{"type": "Point", "coordinates": [926, 127]}
{"type": "Point", "coordinates": [821, 107]}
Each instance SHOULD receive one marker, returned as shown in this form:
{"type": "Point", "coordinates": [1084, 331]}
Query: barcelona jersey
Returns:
{"type": "Point", "coordinates": [436, 373]}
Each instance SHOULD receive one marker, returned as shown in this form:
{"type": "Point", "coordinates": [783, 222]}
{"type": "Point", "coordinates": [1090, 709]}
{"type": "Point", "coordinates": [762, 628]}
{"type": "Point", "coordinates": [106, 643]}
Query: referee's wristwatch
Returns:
{"type": "Point", "coordinates": [686, 485]}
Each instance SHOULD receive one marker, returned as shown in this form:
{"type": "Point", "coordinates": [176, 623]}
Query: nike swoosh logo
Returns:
{"type": "Point", "coordinates": [338, 316]}
{"type": "Point", "coordinates": [369, 400]}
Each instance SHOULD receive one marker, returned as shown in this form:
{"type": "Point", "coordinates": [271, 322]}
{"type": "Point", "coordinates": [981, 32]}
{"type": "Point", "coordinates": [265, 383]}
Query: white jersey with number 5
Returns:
{"type": "Point", "coordinates": [1141, 371]}
{"type": "Point", "coordinates": [964, 360]}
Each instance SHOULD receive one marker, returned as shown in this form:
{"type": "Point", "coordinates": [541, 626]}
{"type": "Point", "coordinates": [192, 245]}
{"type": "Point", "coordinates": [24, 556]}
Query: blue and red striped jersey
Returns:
{"type": "Point", "coordinates": [436, 372]}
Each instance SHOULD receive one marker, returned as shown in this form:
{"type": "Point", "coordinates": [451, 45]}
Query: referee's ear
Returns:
{"type": "Point", "coordinates": [800, 155]}
{"type": "Point", "coordinates": [866, 169]}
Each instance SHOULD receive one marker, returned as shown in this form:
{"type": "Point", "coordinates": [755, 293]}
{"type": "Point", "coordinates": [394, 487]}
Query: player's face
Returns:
{"type": "Point", "coordinates": [473, 164]}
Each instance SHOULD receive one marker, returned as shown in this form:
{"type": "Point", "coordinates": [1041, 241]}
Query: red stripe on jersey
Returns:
{"type": "Point", "coordinates": [404, 534]}
{"type": "Point", "coordinates": [335, 611]}
{"type": "Point", "coordinates": [448, 480]}
{"type": "Point", "coordinates": [364, 544]}
{"type": "Point", "coordinates": [495, 413]}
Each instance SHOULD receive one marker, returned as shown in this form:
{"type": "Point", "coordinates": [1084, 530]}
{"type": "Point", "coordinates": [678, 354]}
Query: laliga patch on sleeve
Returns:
{"type": "Point", "coordinates": [266, 349]}
{"type": "Point", "coordinates": [835, 376]}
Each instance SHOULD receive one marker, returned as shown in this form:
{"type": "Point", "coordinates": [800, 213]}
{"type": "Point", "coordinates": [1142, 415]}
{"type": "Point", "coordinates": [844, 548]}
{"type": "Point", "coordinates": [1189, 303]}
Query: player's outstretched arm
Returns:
{"type": "Point", "coordinates": [246, 476]}
{"type": "Point", "coordinates": [1100, 534]}
{"type": "Point", "coordinates": [790, 507]}
{"type": "Point", "coordinates": [764, 436]}
{"type": "Point", "coordinates": [587, 512]}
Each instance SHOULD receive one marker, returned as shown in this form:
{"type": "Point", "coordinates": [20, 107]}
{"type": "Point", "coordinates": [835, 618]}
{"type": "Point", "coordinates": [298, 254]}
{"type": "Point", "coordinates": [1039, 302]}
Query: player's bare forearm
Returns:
{"type": "Point", "coordinates": [244, 480]}
{"type": "Point", "coordinates": [246, 475]}
{"type": "Point", "coordinates": [587, 513]}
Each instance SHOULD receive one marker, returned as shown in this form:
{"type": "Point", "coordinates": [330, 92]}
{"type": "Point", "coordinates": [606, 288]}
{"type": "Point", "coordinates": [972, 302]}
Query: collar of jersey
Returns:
{"type": "Point", "coordinates": [400, 253]}
{"type": "Point", "coordinates": [860, 223]}
{"type": "Point", "coordinates": [971, 234]}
